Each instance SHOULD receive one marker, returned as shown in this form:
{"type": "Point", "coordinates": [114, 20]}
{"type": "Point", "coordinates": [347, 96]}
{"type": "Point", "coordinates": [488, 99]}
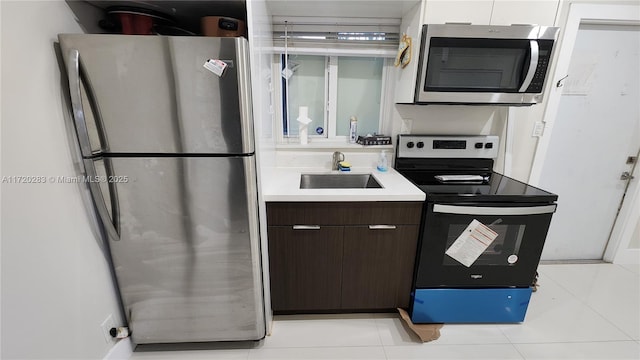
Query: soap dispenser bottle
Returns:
{"type": "Point", "coordinates": [353, 130]}
{"type": "Point", "coordinates": [383, 163]}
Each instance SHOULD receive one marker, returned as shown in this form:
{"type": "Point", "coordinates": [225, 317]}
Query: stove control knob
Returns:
{"type": "Point", "coordinates": [410, 144]}
{"type": "Point", "coordinates": [420, 145]}
{"type": "Point", "coordinates": [479, 145]}
{"type": "Point", "coordinates": [488, 145]}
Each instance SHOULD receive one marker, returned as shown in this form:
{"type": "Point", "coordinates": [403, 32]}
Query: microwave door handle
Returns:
{"type": "Point", "coordinates": [533, 65]}
{"type": "Point", "coordinates": [499, 211]}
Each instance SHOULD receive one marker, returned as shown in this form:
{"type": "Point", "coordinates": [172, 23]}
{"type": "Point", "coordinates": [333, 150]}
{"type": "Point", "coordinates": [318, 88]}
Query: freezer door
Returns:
{"type": "Point", "coordinates": [187, 258]}
{"type": "Point", "coordinates": [152, 94]}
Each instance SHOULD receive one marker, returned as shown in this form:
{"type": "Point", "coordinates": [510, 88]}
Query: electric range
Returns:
{"type": "Point", "coordinates": [482, 233]}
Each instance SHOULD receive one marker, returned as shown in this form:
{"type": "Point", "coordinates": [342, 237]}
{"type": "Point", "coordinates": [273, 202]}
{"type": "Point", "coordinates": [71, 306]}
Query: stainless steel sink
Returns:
{"type": "Point", "coordinates": [339, 181]}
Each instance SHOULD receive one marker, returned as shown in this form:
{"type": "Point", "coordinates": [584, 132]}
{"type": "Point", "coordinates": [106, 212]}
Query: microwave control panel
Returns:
{"type": "Point", "coordinates": [544, 56]}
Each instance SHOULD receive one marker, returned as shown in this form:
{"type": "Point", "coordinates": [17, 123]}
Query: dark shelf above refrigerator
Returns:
{"type": "Point", "coordinates": [186, 15]}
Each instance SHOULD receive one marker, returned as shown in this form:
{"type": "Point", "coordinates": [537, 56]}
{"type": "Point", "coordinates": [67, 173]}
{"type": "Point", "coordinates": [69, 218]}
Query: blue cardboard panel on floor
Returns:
{"type": "Point", "coordinates": [503, 305]}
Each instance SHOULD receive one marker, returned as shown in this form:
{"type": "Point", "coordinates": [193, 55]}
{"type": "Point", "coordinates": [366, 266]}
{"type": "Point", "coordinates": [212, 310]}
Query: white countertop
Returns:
{"type": "Point", "coordinates": [283, 184]}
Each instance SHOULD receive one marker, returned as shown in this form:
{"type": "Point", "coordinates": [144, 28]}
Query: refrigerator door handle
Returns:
{"type": "Point", "coordinates": [244, 93]}
{"type": "Point", "coordinates": [101, 207]}
{"type": "Point", "coordinates": [73, 73]}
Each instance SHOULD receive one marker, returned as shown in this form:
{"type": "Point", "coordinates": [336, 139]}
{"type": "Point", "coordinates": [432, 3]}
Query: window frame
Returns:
{"type": "Point", "coordinates": [331, 99]}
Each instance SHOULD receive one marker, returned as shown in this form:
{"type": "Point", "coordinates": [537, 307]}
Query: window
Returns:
{"type": "Point", "coordinates": [337, 68]}
{"type": "Point", "coordinates": [306, 86]}
{"type": "Point", "coordinates": [333, 88]}
{"type": "Point", "coordinates": [358, 91]}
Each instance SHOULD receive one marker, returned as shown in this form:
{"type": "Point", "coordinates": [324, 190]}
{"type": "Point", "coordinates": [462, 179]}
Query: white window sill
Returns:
{"type": "Point", "coordinates": [328, 144]}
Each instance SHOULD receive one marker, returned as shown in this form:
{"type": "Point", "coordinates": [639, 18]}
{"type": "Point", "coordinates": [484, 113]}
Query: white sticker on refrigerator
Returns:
{"type": "Point", "coordinates": [473, 241]}
{"type": "Point", "coordinates": [216, 66]}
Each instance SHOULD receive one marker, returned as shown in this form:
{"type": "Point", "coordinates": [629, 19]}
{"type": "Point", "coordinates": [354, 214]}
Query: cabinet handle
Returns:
{"type": "Point", "coordinates": [382, 227]}
{"type": "Point", "coordinates": [306, 227]}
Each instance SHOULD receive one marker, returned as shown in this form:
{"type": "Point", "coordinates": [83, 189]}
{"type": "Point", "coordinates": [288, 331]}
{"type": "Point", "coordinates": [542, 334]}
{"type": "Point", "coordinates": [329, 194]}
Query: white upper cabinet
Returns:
{"type": "Point", "coordinates": [491, 12]}
{"type": "Point", "coordinates": [476, 12]}
{"type": "Point", "coordinates": [538, 12]}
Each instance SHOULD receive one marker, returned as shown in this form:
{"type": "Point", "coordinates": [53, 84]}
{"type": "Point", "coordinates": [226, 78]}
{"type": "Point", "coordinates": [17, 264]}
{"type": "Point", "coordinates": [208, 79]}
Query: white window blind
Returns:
{"type": "Point", "coordinates": [377, 37]}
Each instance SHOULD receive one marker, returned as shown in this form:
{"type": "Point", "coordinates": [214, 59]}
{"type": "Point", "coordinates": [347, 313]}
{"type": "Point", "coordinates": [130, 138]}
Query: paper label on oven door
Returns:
{"type": "Point", "coordinates": [473, 241]}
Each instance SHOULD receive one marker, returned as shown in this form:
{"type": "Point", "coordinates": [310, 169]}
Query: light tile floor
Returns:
{"type": "Point", "coordinates": [581, 311]}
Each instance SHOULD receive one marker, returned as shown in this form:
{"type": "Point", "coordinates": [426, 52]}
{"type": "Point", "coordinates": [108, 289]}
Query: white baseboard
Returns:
{"type": "Point", "coordinates": [628, 256]}
{"type": "Point", "coordinates": [122, 350]}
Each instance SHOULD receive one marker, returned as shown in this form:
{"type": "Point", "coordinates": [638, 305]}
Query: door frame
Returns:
{"type": "Point", "coordinates": [599, 13]}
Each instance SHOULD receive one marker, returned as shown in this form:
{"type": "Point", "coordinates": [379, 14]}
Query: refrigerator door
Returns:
{"type": "Point", "coordinates": [153, 95]}
{"type": "Point", "coordinates": [187, 258]}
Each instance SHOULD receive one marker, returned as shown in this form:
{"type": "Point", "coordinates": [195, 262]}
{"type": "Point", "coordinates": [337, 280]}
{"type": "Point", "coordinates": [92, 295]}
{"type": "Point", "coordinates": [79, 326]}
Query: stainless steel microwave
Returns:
{"type": "Point", "coordinates": [484, 64]}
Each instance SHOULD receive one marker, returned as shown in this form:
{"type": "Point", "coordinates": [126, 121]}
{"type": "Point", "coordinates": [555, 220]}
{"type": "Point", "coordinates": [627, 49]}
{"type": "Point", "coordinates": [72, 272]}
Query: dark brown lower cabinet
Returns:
{"type": "Point", "coordinates": [339, 257]}
{"type": "Point", "coordinates": [305, 267]}
{"type": "Point", "coordinates": [377, 266]}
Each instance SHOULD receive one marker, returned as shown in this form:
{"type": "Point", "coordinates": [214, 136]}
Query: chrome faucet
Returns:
{"type": "Point", "coordinates": [337, 157]}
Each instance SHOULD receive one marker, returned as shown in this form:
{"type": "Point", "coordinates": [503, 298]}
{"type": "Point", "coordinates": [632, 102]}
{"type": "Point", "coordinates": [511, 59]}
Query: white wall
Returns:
{"type": "Point", "coordinates": [452, 120]}
{"type": "Point", "coordinates": [56, 287]}
{"type": "Point", "coordinates": [635, 237]}
{"type": "Point", "coordinates": [261, 45]}
{"type": "Point", "coordinates": [477, 120]}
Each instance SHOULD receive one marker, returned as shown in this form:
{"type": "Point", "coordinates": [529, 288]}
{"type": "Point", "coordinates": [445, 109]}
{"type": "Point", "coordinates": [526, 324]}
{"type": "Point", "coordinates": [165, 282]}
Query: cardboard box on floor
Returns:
{"type": "Point", "coordinates": [426, 332]}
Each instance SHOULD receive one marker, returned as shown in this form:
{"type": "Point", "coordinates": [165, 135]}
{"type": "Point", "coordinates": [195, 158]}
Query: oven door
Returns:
{"type": "Point", "coordinates": [511, 259]}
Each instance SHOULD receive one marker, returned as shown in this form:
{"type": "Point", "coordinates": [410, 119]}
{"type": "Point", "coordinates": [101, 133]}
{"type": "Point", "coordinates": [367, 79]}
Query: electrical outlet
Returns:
{"type": "Point", "coordinates": [106, 327]}
{"type": "Point", "coordinates": [538, 129]}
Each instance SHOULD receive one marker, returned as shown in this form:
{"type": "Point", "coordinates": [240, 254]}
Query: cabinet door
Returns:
{"type": "Point", "coordinates": [305, 268]}
{"type": "Point", "coordinates": [377, 270]}
{"type": "Point", "coordinates": [477, 12]}
{"type": "Point", "coordinates": [538, 12]}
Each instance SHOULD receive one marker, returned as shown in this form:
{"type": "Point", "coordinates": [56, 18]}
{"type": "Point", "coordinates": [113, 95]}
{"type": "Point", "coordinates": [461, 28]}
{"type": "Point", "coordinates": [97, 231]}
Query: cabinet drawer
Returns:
{"type": "Point", "coordinates": [344, 213]}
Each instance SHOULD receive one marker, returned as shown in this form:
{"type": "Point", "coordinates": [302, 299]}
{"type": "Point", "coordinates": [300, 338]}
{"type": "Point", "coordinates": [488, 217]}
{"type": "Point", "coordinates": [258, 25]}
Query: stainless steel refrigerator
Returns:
{"type": "Point", "coordinates": [168, 152]}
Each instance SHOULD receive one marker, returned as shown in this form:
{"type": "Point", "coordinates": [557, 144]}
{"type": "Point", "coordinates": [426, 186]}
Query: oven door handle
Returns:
{"type": "Point", "coordinates": [500, 211]}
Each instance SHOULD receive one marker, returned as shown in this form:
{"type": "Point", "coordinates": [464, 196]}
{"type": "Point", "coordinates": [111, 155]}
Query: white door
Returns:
{"type": "Point", "coordinates": [596, 129]}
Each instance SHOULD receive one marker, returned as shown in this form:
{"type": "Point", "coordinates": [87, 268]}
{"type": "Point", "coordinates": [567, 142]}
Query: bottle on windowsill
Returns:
{"type": "Point", "coordinates": [353, 130]}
